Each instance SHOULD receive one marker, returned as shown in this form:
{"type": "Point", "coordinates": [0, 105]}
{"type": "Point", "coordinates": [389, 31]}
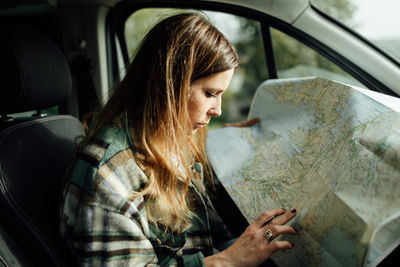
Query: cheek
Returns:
{"type": "Point", "coordinates": [197, 106]}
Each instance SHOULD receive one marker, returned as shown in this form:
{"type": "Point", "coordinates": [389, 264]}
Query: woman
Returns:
{"type": "Point", "coordinates": [135, 196]}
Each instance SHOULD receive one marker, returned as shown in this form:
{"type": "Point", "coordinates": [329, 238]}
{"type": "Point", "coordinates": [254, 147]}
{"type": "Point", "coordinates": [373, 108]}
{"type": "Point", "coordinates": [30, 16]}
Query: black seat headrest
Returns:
{"type": "Point", "coordinates": [34, 72]}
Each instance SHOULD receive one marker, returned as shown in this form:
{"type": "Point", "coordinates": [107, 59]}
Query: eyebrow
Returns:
{"type": "Point", "coordinates": [216, 90]}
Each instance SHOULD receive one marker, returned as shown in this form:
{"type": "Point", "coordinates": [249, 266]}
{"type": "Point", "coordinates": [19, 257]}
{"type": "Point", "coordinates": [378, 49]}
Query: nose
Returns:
{"type": "Point", "coordinates": [215, 109]}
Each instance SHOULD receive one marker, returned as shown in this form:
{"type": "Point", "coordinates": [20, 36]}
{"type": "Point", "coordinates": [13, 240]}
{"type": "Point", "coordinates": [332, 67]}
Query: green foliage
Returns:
{"type": "Point", "coordinates": [342, 10]}
{"type": "Point", "coordinates": [292, 58]}
{"type": "Point", "coordinates": [136, 27]}
{"type": "Point", "coordinates": [251, 50]}
{"type": "Point", "coordinates": [290, 53]}
{"type": "Point", "coordinates": [140, 23]}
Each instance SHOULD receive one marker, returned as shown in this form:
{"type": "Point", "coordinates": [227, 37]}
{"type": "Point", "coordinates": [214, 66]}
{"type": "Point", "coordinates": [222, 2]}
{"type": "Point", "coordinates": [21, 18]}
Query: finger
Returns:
{"type": "Point", "coordinates": [251, 122]}
{"type": "Point", "coordinates": [233, 124]}
{"type": "Point", "coordinates": [284, 218]}
{"type": "Point", "coordinates": [242, 124]}
{"type": "Point", "coordinates": [279, 245]}
{"type": "Point", "coordinates": [279, 229]}
{"type": "Point", "coordinates": [268, 215]}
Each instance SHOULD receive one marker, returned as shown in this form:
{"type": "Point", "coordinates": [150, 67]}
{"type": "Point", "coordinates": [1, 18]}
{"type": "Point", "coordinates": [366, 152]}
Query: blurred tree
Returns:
{"type": "Point", "coordinates": [292, 58]}
{"type": "Point", "coordinates": [141, 21]}
{"type": "Point", "coordinates": [342, 10]}
{"type": "Point", "coordinates": [289, 53]}
{"type": "Point", "coordinates": [253, 64]}
{"type": "Point", "coordinates": [136, 27]}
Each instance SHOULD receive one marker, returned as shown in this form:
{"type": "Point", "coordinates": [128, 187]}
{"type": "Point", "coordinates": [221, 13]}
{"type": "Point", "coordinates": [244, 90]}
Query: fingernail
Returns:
{"type": "Point", "coordinates": [284, 210]}
{"type": "Point", "coordinates": [293, 211]}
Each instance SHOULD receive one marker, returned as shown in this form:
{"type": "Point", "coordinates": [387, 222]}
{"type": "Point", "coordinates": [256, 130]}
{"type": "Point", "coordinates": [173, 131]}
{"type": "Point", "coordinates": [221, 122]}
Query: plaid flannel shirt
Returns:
{"type": "Point", "coordinates": [105, 225]}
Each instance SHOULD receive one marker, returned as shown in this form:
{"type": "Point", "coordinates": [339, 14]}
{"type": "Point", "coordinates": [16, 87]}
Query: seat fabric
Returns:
{"type": "Point", "coordinates": [34, 151]}
{"type": "Point", "coordinates": [33, 158]}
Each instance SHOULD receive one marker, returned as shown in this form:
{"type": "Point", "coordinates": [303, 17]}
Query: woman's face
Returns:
{"type": "Point", "coordinates": [205, 98]}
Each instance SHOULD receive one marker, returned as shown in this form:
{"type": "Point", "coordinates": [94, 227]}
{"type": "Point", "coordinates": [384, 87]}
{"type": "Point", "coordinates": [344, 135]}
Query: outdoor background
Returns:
{"type": "Point", "coordinates": [375, 20]}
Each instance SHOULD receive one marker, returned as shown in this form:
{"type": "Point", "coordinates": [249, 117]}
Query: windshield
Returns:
{"type": "Point", "coordinates": [378, 21]}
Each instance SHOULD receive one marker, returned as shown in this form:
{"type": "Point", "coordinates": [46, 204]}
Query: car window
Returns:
{"type": "Point", "coordinates": [244, 34]}
{"type": "Point", "coordinates": [294, 59]}
{"type": "Point", "coordinates": [49, 111]}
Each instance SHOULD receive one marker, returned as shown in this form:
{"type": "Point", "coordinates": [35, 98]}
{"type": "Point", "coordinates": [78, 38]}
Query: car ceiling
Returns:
{"type": "Point", "coordinates": [286, 10]}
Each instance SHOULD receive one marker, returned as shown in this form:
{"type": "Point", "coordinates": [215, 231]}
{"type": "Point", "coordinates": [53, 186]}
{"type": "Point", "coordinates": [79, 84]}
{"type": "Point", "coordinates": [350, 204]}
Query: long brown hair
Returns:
{"type": "Point", "coordinates": [154, 95]}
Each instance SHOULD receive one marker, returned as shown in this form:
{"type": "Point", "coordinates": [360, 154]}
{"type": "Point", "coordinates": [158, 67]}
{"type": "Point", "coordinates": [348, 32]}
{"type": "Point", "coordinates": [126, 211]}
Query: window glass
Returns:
{"type": "Point", "coordinates": [244, 34]}
{"type": "Point", "coordinates": [140, 22]}
{"type": "Point", "coordinates": [294, 59]}
{"type": "Point", "coordinates": [378, 21]}
{"type": "Point", "coordinates": [48, 111]}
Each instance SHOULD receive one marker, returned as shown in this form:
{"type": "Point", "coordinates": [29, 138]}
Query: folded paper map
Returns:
{"type": "Point", "coordinates": [330, 150]}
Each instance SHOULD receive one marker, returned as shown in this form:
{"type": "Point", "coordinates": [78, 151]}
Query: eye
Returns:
{"type": "Point", "coordinates": [208, 94]}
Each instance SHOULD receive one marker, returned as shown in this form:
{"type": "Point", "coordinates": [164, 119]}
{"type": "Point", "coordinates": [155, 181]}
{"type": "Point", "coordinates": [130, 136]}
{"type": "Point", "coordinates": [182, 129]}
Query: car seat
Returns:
{"type": "Point", "coordinates": [34, 150]}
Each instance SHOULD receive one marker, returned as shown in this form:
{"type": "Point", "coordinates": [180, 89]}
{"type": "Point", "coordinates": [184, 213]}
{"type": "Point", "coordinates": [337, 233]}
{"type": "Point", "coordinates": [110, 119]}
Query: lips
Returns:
{"type": "Point", "coordinates": [199, 125]}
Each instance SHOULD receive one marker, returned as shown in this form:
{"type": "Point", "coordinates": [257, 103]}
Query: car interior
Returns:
{"type": "Point", "coordinates": [35, 150]}
{"type": "Point", "coordinates": [59, 60]}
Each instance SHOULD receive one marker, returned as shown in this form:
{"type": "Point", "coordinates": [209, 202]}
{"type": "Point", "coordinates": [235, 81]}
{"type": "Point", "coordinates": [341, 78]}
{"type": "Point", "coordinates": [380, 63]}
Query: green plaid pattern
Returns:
{"type": "Point", "coordinates": [105, 225]}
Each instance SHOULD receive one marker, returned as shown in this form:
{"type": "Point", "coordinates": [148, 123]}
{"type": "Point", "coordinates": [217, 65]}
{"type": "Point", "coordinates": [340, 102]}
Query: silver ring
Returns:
{"type": "Point", "coordinates": [269, 235]}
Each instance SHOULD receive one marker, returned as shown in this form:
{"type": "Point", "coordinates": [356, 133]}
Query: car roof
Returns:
{"type": "Point", "coordinates": [286, 10]}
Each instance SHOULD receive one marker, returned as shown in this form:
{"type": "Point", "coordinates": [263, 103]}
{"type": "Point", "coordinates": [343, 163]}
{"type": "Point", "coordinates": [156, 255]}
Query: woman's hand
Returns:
{"type": "Point", "coordinates": [256, 243]}
{"type": "Point", "coordinates": [242, 124]}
